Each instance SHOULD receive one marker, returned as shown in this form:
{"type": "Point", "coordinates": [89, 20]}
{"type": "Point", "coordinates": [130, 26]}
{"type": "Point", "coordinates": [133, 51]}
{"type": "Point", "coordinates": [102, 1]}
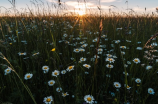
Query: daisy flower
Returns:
{"type": "Point", "coordinates": [138, 80]}
{"type": "Point", "coordinates": [51, 82]}
{"type": "Point", "coordinates": [117, 84]}
{"type": "Point", "coordinates": [95, 40]}
{"type": "Point", "coordinates": [151, 91]}
{"type": "Point", "coordinates": [20, 54]}
{"type": "Point", "coordinates": [89, 99]}
{"type": "Point", "coordinates": [28, 76]}
{"type": "Point", "coordinates": [65, 94]}
{"type": "Point", "coordinates": [7, 71]}
{"type": "Point", "coordinates": [123, 53]}
{"type": "Point", "coordinates": [63, 71]}
{"type": "Point", "coordinates": [55, 73]}
{"type": "Point", "coordinates": [77, 50]}
{"type": "Point", "coordinates": [109, 55]}
{"type": "Point", "coordinates": [128, 87]}
{"type": "Point", "coordinates": [148, 67]}
{"type": "Point", "coordinates": [82, 50]}
{"type": "Point", "coordinates": [111, 60]}
{"type": "Point", "coordinates": [109, 66]}
{"type": "Point", "coordinates": [35, 54]}
{"type": "Point", "coordinates": [136, 60]}
{"type": "Point", "coordinates": [58, 89]}
{"type": "Point", "coordinates": [82, 59]}
{"type": "Point", "coordinates": [117, 41]}
{"type": "Point", "coordinates": [123, 47]}
{"type": "Point", "coordinates": [45, 69]}
{"type": "Point", "coordinates": [86, 65]}
{"type": "Point", "coordinates": [84, 45]}
{"type": "Point", "coordinates": [70, 68]}
{"type": "Point", "coordinates": [48, 100]}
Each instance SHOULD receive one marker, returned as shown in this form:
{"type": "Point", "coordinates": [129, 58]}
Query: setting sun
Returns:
{"type": "Point", "coordinates": [81, 13]}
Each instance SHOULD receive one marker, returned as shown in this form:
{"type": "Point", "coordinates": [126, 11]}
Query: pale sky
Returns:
{"type": "Point", "coordinates": [136, 5]}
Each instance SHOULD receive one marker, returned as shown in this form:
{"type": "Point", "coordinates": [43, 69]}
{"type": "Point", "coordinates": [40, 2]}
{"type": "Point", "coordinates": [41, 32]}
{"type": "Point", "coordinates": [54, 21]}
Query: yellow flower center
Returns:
{"type": "Point", "coordinates": [7, 70]}
{"type": "Point", "coordinates": [109, 66]}
{"type": "Point", "coordinates": [21, 53]}
{"type": "Point", "coordinates": [55, 73]}
{"type": "Point", "coordinates": [51, 82]}
{"type": "Point", "coordinates": [117, 85]}
{"type": "Point", "coordinates": [83, 46]}
{"type": "Point", "coordinates": [81, 50]}
{"type": "Point", "coordinates": [86, 65]}
{"type": "Point", "coordinates": [82, 59]}
{"type": "Point", "coordinates": [123, 46]}
{"type": "Point", "coordinates": [45, 67]}
{"type": "Point", "coordinates": [70, 67]}
{"type": "Point", "coordinates": [28, 76]}
{"type": "Point", "coordinates": [150, 91]}
{"type": "Point", "coordinates": [89, 98]}
{"type": "Point", "coordinates": [77, 50]}
{"type": "Point", "coordinates": [64, 94]}
{"type": "Point", "coordinates": [58, 89]}
{"type": "Point", "coordinates": [136, 60]}
{"type": "Point", "coordinates": [127, 86]}
{"type": "Point", "coordinates": [48, 100]}
{"type": "Point", "coordinates": [110, 59]}
{"type": "Point", "coordinates": [137, 80]}
{"type": "Point", "coordinates": [99, 49]}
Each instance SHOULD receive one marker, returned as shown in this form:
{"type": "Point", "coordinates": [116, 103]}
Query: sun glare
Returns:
{"type": "Point", "coordinates": [81, 13]}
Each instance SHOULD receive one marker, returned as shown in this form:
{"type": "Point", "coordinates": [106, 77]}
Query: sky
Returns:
{"type": "Point", "coordinates": [81, 5]}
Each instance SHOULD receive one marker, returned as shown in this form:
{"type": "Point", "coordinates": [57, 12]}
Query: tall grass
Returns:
{"type": "Point", "coordinates": [42, 31]}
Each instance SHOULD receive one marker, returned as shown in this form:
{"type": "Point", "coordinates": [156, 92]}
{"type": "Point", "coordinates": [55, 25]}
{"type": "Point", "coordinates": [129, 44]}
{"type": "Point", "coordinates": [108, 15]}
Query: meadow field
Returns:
{"type": "Point", "coordinates": [89, 59]}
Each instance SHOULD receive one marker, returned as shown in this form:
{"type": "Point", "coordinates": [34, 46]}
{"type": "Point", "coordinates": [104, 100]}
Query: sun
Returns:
{"type": "Point", "coordinates": [81, 13]}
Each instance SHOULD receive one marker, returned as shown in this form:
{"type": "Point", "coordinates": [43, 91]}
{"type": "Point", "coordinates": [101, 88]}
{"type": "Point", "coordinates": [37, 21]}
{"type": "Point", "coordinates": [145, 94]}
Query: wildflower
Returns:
{"type": "Point", "coordinates": [63, 71]}
{"type": "Point", "coordinates": [84, 45]}
{"type": "Point", "coordinates": [117, 84]}
{"type": "Point", "coordinates": [109, 66]}
{"type": "Point", "coordinates": [53, 49]}
{"type": "Point", "coordinates": [82, 59]}
{"type": "Point", "coordinates": [51, 82]}
{"type": "Point", "coordinates": [55, 73]}
{"type": "Point", "coordinates": [70, 68]}
{"type": "Point", "coordinates": [114, 56]}
{"type": "Point", "coordinates": [20, 54]}
{"type": "Point", "coordinates": [95, 40]}
{"type": "Point", "coordinates": [65, 35]}
{"type": "Point", "coordinates": [73, 96]}
{"type": "Point", "coordinates": [128, 87]}
{"type": "Point", "coordinates": [7, 71]}
{"type": "Point", "coordinates": [111, 60]}
{"type": "Point", "coordinates": [128, 62]}
{"type": "Point", "coordinates": [65, 94]}
{"type": "Point", "coordinates": [151, 91]}
{"type": "Point", "coordinates": [82, 50]}
{"type": "Point", "coordinates": [77, 50]}
{"type": "Point", "coordinates": [138, 80]}
{"type": "Point", "coordinates": [48, 100]}
{"type": "Point", "coordinates": [148, 67]}
{"type": "Point", "coordinates": [86, 72]}
{"type": "Point", "coordinates": [28, 76]}
{"type": "Point", "coordinates": [35, 54]}
{"type": "Point", "coordinates": [139, 48]}
{"type": "Point", "coordinates": [136, 60]}
{"type": "Point", "coordinates": [89, 99]}
{"type": "Point", "coordinates": [103, 36]}
{"type": "Point", "coordinates": [86, 65]}
{"type": "Point", "coordinates": [109, 55]}
{"type": "Point", "coordinates": [45, 69]}
{"type": "Point", "coordinates": [123, 53]}
{"type": "Point", "coordinates": [58, 89]}
{"type": "Point", "coordinates": [117, 41]}
{"type": "Point", "coordinates": [123, 47]}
